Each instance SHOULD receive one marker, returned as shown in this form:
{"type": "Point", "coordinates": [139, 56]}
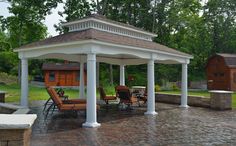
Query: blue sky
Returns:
{"type": "Point", "coordinates": [50, 19]}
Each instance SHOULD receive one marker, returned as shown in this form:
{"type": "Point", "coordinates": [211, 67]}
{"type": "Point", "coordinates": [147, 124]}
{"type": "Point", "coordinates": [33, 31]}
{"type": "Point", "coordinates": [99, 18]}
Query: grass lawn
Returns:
{"type": "Point", "coordinates": [37, 93]}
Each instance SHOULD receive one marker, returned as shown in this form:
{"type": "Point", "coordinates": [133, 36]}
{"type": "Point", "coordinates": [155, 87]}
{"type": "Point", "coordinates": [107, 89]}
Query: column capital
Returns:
{"type": "Point", "coordinates": [91, 56]}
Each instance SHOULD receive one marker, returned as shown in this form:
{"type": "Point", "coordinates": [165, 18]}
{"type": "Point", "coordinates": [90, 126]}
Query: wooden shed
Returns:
{"type": "Point", "coordinates": [62, 74]}
{"type": "Point", "coordinates": [221, 72]}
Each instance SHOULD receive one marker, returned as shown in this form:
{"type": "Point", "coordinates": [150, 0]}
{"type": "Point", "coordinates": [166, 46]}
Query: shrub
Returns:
{"type": "Point", "coordinates": [157, 88]}
{"type": "Point", "coordinates": [7, 79]}
{"type": "Point", "coordinates": [175, 87]}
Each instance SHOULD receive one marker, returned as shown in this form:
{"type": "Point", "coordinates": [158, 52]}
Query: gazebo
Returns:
{"type": "Point", "coordinates": [98, 39]}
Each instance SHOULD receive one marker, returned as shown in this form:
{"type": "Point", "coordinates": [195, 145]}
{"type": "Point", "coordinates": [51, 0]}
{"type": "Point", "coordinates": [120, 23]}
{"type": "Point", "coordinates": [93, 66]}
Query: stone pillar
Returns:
{"type": "Point", "coordinates": [184, 86]}
{"type": "Point", "coordinates": [81, 83]}
{"type": "Point", "coordinates": [24, 83]}
{"type": "Point", "coordinates": [122, 75]}
{"type": "Point", "coordinates": [151, 91]}
{"type": "Point", "coordinates": [221, 100]}
{"type": "Point", "coordinates": [91, 112]}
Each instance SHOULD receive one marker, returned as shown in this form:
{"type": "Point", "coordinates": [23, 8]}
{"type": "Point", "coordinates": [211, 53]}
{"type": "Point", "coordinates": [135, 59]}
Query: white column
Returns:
{"type": "Point", "coordinates": [184, 86]}
{"type": "Point", "coordinates": [151, 91]}
{"type": "Point", "coordinates": [24, 83]}
{"type": "Point", "coordinates": [122, 75]}
{"type": "Point", "coordinates": [81, 83]}
{"type": "Point", "coordinates": [91, 111]}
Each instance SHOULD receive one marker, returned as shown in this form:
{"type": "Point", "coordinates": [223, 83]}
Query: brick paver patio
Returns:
{"type": "Point", "coordinates": [172, 126]}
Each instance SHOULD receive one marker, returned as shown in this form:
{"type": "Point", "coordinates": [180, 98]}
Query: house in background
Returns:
{"type": "Point", "coordinates": [62, 74]}
{"type": "Point", "coordinates": [221, 72]}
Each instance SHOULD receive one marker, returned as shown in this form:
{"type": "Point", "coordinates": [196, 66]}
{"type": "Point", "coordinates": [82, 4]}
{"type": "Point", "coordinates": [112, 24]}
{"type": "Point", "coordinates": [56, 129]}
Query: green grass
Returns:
{"type": "Point", "coordinates": [37, 93]}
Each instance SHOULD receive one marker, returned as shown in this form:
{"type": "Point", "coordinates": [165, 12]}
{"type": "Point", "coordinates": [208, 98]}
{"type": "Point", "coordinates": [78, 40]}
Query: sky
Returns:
{"type": "Point", "coordinates": [50, 19]}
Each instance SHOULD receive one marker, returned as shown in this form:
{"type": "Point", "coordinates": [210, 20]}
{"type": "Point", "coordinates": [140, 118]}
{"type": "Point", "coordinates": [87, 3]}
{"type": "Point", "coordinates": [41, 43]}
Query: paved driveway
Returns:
{"type": "Point", "coordinates": [172, 126]}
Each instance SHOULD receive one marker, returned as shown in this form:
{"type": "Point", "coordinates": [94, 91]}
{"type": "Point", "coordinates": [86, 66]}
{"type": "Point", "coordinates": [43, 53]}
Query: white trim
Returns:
{"type": "Point", "coordinates": [103, 43]}
{"type": "Point", "coordinates": [109, 23]}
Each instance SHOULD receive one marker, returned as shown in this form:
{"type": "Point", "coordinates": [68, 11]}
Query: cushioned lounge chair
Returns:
{"type": "Point", "coordinates": [125, 95]}
{"type": "Point", "coordinates": [73, 105]}
{"type": "Point", "coordinates": [104, 97]}
{"type": "Point", "coordinates": [50, 104]}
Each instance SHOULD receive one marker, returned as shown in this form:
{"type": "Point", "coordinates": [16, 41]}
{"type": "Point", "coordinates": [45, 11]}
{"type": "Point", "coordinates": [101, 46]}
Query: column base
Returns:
{"type": "Point", "coordinates": [184, 106]}
{"type": "Point", "coordinates": [91, 125]}
{"type": "Point", "coordinates": [150, 113]}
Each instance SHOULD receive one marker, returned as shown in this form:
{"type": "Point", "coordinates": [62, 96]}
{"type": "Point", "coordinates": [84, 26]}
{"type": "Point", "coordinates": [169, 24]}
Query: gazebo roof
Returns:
{"type": "Point", "coordinates": [112, 42]}
{"type": "Point", "coordinates": [92, 34]}
{"type": "Point", "coordinates": [111, 22]}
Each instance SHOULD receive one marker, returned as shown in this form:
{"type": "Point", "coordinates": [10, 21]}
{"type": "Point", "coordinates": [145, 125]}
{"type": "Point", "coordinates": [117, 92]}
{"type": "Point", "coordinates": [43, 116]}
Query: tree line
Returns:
{"type": "Point", "coordinates": [198, 27]}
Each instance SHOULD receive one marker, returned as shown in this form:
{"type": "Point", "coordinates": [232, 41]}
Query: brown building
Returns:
{"type": "Point", "coordinates": [65, 74]}
{"type": "Point", "coordinates": [221, 72]}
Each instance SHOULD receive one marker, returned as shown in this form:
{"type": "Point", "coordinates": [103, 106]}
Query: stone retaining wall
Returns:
{"type": "Point", "coordinates": [199, 101]}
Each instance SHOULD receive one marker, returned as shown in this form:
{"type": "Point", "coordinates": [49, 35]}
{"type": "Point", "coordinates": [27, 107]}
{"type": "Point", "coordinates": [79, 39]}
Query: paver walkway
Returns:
{"type": "Point", "coordinates": [172, 126]}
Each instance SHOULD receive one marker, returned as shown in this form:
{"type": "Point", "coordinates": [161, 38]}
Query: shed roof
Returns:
{"type": "Point", "coordinates": [61, 66]}
{"type": "Point", "coordinates": [92, 34]}
{"type": "Point", "coordinates": [230, 59]}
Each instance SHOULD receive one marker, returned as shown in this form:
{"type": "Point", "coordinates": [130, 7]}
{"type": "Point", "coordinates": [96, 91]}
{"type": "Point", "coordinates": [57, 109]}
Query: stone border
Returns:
{"type": "Point", "coordinates": [199, 101]}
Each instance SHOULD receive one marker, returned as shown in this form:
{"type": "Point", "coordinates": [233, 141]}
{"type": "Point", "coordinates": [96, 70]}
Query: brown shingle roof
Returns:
{"type": "Point", "coordinates": [230, 59]}
{"type": "Point", "coordinates": [92, 34]}
{"type": "Point", "coordinates": [61, 66]}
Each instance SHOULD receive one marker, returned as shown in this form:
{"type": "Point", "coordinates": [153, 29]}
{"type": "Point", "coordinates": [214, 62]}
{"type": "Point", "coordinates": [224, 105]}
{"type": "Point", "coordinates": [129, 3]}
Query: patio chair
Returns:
{"type": "Point", "coordinates": [104, 97]}
{"type": "Point", "coordinates": [125, 95]}
{"type": "Point", "coordinates": [65, 99]}
{"type": "Point", "coordinates": [72, 106]}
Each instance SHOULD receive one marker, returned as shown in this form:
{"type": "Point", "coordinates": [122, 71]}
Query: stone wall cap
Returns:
{"type": "Point", "coordinates": [3, 92]}
{"type": "Point", "coordinates": [220, 91]}
{"type": "Point", "coordinates": [17, 121]}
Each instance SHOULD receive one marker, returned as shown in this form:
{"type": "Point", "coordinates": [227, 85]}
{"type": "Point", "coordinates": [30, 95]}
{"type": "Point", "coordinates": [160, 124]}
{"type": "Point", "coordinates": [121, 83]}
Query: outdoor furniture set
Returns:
{"type": "Point", "coordinates": [58, 100]}
{"type": "Point", "coordinates": [125, 95]}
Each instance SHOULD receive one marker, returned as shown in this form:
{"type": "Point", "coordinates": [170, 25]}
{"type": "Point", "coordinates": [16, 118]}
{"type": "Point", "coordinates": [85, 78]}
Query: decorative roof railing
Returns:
{"type": "Point", "coordinates": [108, 27]}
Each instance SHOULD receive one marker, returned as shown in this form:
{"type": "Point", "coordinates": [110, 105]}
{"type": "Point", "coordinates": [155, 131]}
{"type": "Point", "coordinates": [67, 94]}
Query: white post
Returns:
{"type": "Point", "coordinates": [91, 111]}
{"type": "Point", "coordinates": [151, 91]}
{"type": "Point", "coordinates": [24, 83]}
{"type": "Point", "coordinates": [184, 86]}
{"type": "Point", "coordinates": [81, 81]}
{"type": "Point", "coordinates": [122, 75]}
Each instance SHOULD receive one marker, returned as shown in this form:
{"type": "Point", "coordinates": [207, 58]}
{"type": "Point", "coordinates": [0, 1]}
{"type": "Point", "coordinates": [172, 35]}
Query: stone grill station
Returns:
{"type": "Point", "coordinates": [15, 129]}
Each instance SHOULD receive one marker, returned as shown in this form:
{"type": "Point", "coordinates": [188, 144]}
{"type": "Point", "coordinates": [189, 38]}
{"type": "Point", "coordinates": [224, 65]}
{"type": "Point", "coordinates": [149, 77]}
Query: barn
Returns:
{"type": "Point", "coordinates": [62, 74]}
{"type": "Point", "coordinates": [221, 72]}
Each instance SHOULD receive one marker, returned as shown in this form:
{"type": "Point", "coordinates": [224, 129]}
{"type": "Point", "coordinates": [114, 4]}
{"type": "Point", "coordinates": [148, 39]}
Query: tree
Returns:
{"type": "Point", "coordinates": [74, 9]}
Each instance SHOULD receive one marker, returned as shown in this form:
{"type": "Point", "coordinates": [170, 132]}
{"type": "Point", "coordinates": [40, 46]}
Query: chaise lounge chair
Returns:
{"type": "Point", "coordinates": [73, 105]}
{"type": "Point", "coordinates": [104, 97]}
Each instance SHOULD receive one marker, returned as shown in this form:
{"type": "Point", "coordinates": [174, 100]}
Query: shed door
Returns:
{"type": "Point", "coordinates": [69, 78]}
{"type": "Point", "coordinates": [62, 78]}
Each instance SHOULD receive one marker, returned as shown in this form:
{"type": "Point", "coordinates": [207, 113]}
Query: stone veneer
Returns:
{"type": "Point", "coordinates": [15, 137]}
{"type": "Point", "coordinates": [221, 100]}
